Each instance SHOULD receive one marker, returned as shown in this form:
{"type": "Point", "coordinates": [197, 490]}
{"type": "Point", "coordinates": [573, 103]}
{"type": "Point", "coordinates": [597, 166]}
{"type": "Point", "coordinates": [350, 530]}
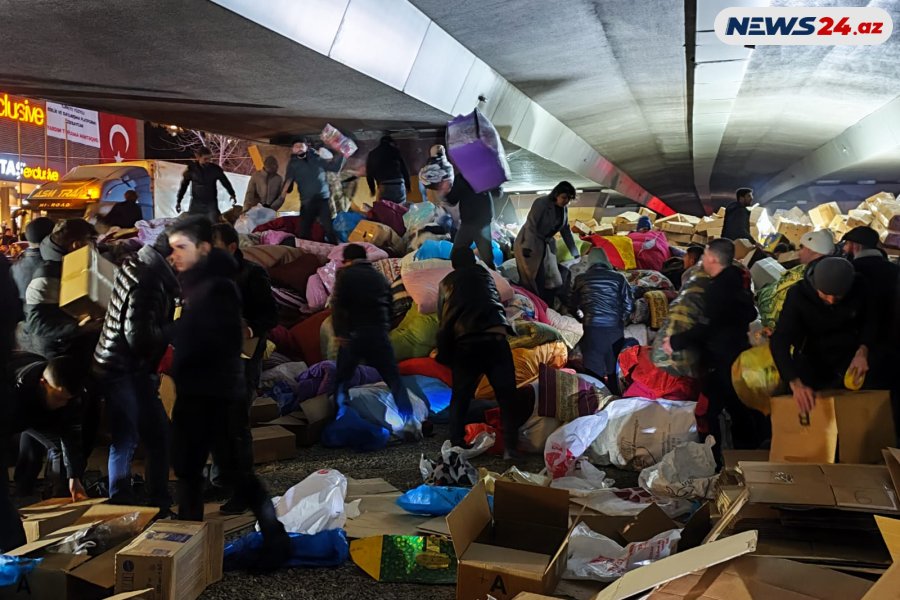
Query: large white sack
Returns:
{"type": "Point", "coordinates": [641, 431]}
{"type": "Point", "coordinates": [597, 557]}
{"type": "Point", "coordinates": [375, 404]}
{"type": "Point", "coordinates": [315, 504]}
{"type": "Point", "coordinates": [568, 443]}
{"type": "Point", "coordinates": [688, 471]}
{"type": "Point", "coordinates": [253, 218]}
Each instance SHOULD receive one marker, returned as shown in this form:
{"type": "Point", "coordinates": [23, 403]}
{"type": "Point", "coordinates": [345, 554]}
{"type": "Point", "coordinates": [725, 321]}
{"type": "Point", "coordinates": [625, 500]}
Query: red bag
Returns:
{"type": "Point", "coordinates": [427, 367]}
{"type": "Point", "coordinates": [646, 380]}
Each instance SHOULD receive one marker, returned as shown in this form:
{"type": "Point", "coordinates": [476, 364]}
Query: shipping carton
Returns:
{"type": "Point", "coordinates": [766, 271]}
{"type": "Point", "coordinates": [793, 230]}
{"type": "Point", "coordinates": [789, 260]}
{"type": "Point", "coordinates": [822, 215]}
{"type": "Point", "coordinates": [177, 559]}
{"type": "Point", "coordinates": [714, 233]}
{"type": "Point", "coordinates": [742, 248]}
{"type": "Point", "coordinates": [522, 548]}
{"type": "Point", "coordinates": [861, 424]}
{"type": "Point", "coordinates": [699, 238]}
{"type": "Point", "coordinates": [840, 225]}
{"type": "Point", "coordinates": [859, 218]}
{"type": "Point", "coordinates": [309, 420]}
{"type": "Point", "coordinates": [677, 227]}
{"type": "Point", "coordinates": [86, 284]}
{"type": "Point", "coordinates": [47, 516]}
{"type": "Point", "coordinates": [272, 443]}
{"type": "Point", "coordinates": [262, 410]}
{"type": "Point", "coordinates": [646, 212]}
{"type": "Point", "coordinates": [679, 239]}
{"type": "Point", "coordinates": [626, 217]}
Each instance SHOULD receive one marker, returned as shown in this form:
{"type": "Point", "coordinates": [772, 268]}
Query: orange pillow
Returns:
{"type": "Point", "coordinates": [306, 337]}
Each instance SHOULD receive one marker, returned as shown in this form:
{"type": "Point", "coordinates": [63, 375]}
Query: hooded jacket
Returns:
{"type": "Point", "coordinates": [468, 303]}
{"type": "Point", "coordinates": [203, 179]}
{"type": "Point", "coordinates": [824, 337]}
{"type": "Point", "coordinates": [361, 300]}
{"type": "Point", "coordinates": [206, 361]}
{"type": "Point", "coordinates": [729, 310]}
{"type": "Point", "coordinates": [604, 296]}
{"type": "Point", "coordinates": [475, 209]}
{"type": "Point", "coordinates": [141, 307]}
{"type": "Point", "coordinates": [51, 330]}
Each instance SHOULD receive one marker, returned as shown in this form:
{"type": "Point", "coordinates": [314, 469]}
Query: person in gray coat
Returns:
{"type": "Point", "coordinates": [535, 248]}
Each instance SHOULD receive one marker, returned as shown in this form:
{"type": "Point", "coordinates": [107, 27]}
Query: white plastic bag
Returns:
{"type": "Point", "coordinates": [585, 480]}
{"type": "Point", "coordinates": [375, 404]}
{"type": "Point", "coordinates": [253, 218]}
{"type": "Point", "coordinates": [286, 373]}
{"type": "Point", "coordinates": [629, 502]}
{"type": "Point", "coordinates": [315, 504]}
{"type": "Point", "coordinates": [595, 556]}
{"type": "Point", "coordinates": [642, 431]}
{"type": "Point", "coordinates": [568, 443]}
{"type": "Point", "coordinates": [688, 471]}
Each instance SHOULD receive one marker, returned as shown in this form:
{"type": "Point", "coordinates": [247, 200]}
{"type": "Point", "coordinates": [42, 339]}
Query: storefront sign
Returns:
{"type": "Point", "coordinates": [22, 110]}
{"type": "Point", "coordinates": [12, 169]}
{"type": "Point", "coordinates": [74, 124]}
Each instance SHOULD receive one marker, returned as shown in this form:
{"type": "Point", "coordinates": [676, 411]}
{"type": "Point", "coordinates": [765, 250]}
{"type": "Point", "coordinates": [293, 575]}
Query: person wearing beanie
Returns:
{"type": "Point", "coordinates": [815, 245]}
{"type": "Point", "coordinates": [308, 169]}
{"type": "Point", "coordinates": [644, 225]}
{"type": "Point", "coordinates": [603, 301]}
{"type": "Point", "coordinates": [651, 248]}
{"type": "Point", "coordinates": [25, 266]}
{"type": "Point", "coordinates": [827, 326]}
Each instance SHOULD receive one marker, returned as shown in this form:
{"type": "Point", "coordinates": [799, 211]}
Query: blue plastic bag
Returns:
{"type": "Point", "coordinates": [432, 500]}
{"type": "Point", "coordinates": [498, 253]}
{"type": "Point", "coordinates": [344, 224]}
{"type": "Point", "coordinates": [349, 430]}
{"type": "Point", "coordinates": [284, 396]}
{"type": "Point", "coordinates": [13, 568]}
{"type": "Point", "coordinates": [324, 549]}
{"type": "Point", "coordinates": [434, 249]}
{"type": "Point", "coordinates": [435, 392]}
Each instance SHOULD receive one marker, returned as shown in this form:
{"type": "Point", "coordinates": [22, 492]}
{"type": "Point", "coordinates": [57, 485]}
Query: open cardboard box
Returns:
{"type": "Point", "coordinates": [47, 516]}
{"type": "Point", "coordinates": [521, 548]}
{"type": "Point", "coordinates": [309, 420]}
{"type": "Point", "coordinates": [76, 576]}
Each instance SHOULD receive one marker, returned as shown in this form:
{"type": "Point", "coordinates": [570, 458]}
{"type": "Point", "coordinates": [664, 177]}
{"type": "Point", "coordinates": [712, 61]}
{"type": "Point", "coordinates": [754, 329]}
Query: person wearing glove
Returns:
{"type": "Point", "coordinates": [535, 248]}
{"type": "Point", "coordinates": [203, 175]}
{"type": "Point", "coordinates": [308, 169]}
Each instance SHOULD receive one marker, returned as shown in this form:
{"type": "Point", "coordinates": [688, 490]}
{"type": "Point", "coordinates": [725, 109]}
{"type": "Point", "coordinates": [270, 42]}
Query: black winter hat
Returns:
{"type": "Point", "coordinates": [864, 236]}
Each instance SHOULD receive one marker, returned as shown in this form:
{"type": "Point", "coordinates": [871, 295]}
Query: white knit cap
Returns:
{"type": "Point", "coordinates": [820, 242]}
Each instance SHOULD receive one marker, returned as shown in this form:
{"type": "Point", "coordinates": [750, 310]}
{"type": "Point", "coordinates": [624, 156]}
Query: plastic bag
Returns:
{"type": "Point", "coordinates": [629, 502]}
{"type": "Point", "coordinates": [756, 378]}
{"type": "Point", "coordinates": [641, 431]}
{"type": "Point", "coordinates": [585, 479]}
{"type": "Point", "coordinates": [453, 467]}
{"type": "Point", "coordinates": [325, 549]}
{"type": "Point", "coordinates": [313, 505]}
{"type": "Point", "coordinates": [345, 223]}
{"type": "Point", "coordinates": [13, 568]}
{"type": "Point", "coordinates": [99, 537]}
{"type": "Point", "coordinates": [512, 474]}
{"type": "Point", "coordinates": [568, 443]}
{"type": "Point", "coordinates": [595, 556]}
{"type": "Point", "coordinates": [688, 471]}
{"type": "Point", "coordinates": [375, 404]}
{"type": "Point", "coordinates": [474, 146]}
{"type": "Point", "coordinates": [420, 214]}
{"type": "Point", "coordinates": [148, 231]}
{"type": "Point", "coordinates": [349, 430]}
{"type": "Point", "coordinates": [338, 141]}
{"type": "Point", "coordinates": [432, 500]}
{"type": "Point", "coordinates": [253, 218]}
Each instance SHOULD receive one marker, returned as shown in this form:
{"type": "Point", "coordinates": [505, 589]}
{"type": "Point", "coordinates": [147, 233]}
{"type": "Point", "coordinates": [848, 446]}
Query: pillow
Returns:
{"type": "Point", "coordinates": [527, 362]}
{"type": "Point", "coordinates": [295, 275]}
{"type": "Point", "coordinates": [427, 367]}
{"type": "Point", "coordinates": [423, 287]}
{"type": "Point", "coordinates": [416, 336]}
{"type": "Point", "coordinates": [566, 396]}
{"type": "Point", "coordinates": [269, 256]}
{"type": "Point", "coordinates": [316, 294]}
{"type": "Point", "coordinates": [306, 336]}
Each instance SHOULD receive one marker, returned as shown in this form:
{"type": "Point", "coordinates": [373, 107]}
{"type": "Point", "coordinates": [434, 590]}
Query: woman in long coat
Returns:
{"type": "Point", "coordinates": [535, 249]}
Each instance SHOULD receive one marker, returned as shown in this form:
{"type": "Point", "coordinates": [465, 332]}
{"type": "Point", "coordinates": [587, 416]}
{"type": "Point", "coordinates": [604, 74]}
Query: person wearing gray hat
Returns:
{"type": "Point", "coordinates": [827, 326]}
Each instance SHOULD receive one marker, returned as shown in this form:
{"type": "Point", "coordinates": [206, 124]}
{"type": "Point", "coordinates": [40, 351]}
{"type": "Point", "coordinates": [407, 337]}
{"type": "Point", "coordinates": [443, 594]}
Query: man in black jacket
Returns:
{"type": "Point", "coordinates": [604, 300]}
{"type": "Point", "coordinates": [737, 217]}
{"type": "Point", "coordinates": [721, 337]}
{"type": "Point", "coordinates": [385, 165]}
{"type": "Point", "coordinates": [476, 211]}
{"type": "Point", "coordinates": [472, 339]}
{"type": "Point", "coordinates": [307, 169]}
{"type": "Point", "coordinates": [260, 316]}
{"type": "Point", "coordinates": [827, 326]}
{"type": "Point", "coordinates": [132, 342]}
{"type": "Point", "coordinates": [126, 213]}
{"type": "Point", "coordinates": [202, 175]}
{"type": "Point", "coordinates": [25, 266]}
{"type": "Point", "coordinates": [361, 316]}
{"type": "Point", "coordinates": [209, 379]}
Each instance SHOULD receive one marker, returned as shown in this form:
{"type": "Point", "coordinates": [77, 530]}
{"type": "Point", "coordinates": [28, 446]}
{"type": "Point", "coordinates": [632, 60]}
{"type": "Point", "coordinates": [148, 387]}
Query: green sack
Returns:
{"type": "Point", "coordinates": [770, 298]}
{"type": "Point", "coordinates": [416, 336]}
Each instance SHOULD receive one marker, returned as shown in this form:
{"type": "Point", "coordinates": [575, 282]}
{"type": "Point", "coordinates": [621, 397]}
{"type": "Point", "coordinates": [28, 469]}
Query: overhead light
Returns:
{"type": "Point", "coordinates": [827, 181]}
{"type": "Point", "coordinates": [802, 202]}
{"type": "Point", "coordinates": [545, 192]}
{"type": "Point", "coordinates": [866, 182]}
{"type": "Point", "coordinates": [608, 191]}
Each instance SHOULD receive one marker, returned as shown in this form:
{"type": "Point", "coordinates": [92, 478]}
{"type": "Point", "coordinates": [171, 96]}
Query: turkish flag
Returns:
{"type": "Point", "coordinates": [118, 138]}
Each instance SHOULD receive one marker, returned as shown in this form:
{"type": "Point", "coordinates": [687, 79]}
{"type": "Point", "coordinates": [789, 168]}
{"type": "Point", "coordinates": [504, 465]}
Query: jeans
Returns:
{"type": "Point", "coordinates": [136, 413]}
{"type": "Point", "coordinates": [374, 347]}
{"type": "Point", "coordinates": [474, 356]}
{"type": "Point", "coordinates": [316, 209]}
{"type": "Point", "coordinates": [481, 236]}
{"type": "Point", "coordinates": [393, 191]}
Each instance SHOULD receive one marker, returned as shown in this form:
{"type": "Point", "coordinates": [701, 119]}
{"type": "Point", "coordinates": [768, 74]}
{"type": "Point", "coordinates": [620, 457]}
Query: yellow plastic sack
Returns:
{"type": "Point", "coordinates": [756, 378]}
{"type": "Point", "coordinates": [527, 362]}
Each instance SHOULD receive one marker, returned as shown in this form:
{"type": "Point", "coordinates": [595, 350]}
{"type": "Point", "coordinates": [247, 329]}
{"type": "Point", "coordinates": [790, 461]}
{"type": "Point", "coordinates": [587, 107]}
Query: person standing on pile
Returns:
{"type": "Point", "coordinates": [361, 316]}
{"type": "Point", "coordinates": [132, 342]}
{"type": "Point", "coordinates": [737, 217]}
{"type": "Point", "coordinates": [386, 167]}
{"type": "Point", "coordinates": [264, 188]}
{"type": "Point", "coordinates": [203, 175]}
{"type": "Point", "coordinates": [883, 281]}
{"type": "Point", "coordinates": [472, 340]}
{"type": "Point", "coordinates": [604, 301]}
{"type": "Point", "coordinates": [721, 337]}
{"type": "Point", "coordinates": [438, 175]}
{"type": "Point", "coordinates": [260, 317]}
{"type": "Point", "coordinates": [535, 247]}
{"type": "Point", "coordinates": [126, 213]}
{"type": "Point", "coordinates": [828, 325]}
{"type": "Point", "coordinates": [209, 379]}
{"type": "Point", "coordinates": [25, 266]}
{"type": "Point", "coordinates": [307, 169]}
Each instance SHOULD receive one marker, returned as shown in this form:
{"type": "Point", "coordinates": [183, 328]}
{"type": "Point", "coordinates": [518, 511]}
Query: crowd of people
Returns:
{"type": "Point", "coordinates": [192, 299]}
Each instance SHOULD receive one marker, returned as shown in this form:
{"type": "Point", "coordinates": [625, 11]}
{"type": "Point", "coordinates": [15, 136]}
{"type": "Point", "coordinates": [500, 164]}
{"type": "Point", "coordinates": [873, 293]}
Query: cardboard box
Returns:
{"type": "Point", "coordinates": [605, 229]}
{"type": "Point", "coordinates": [754, 577]}
{"type": "Point", "coordinates": [145, 594]}
{"type": "Point", "coordinates": [793, 230]}
{"type": "Point", "coordinates": [822, 215]}
{"type": "Point", "coordinates": [626, 217]}
{"type": "Point", "coordinates": [625, 227]}
{"type": "Point", "coordinates": [699, 238]}
{"type": "Point", "coordinates": [522, 549]}
{"type": "Point", "coordinates": [714, 233]}
{"type": "Point", "coordinates": [889, 215]}
{"type": "Point", "coordinates": [861, 423]}
{"type": "Point", "coordinates": [47, 516]}
{"type": "Point", "coordinates": [681, 228]}
{"type": "Point", "coordinates": [646, 212]}
{"type": "Point", "coordinates": [742, 248]}
{"type": "Point", "coordinates": [789, 260]}
{"type": "Point", "coordinates": [707, 223]}
{"type": "Point", "coordinates": [86, 284]}
{"type": "Point", "coordinates": [262, 410]}
{"type": "Point", "coordinates": [840, 226]}
{"type": "Point", "coordinates": [679, 239]}
{"type": "Point", "coordinates": [766, 271]}
{"type": "Point", "coordinates": [580, 228]}
{"type": "Point", "coordinates": [167, 393]}
{"type": "Point", "coordinates": [859, 218]}
{"type": "Point", "coordinates": [177, 559]}
{"type": "Point", "coordinates": [308, 421]}
{"type": "Point", "coordinates": [272, 443]}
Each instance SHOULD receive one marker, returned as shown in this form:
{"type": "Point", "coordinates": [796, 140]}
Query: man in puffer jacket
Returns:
{"type": "Point", "coordinates": [132, 342]}
{"type": "Point", "coordinates": [472, 340]}
{"type": "Point", "coordinates": [605, 301]}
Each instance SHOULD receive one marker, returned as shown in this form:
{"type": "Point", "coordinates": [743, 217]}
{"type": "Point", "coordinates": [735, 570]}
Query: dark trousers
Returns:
{"type": "Point", "coordinates": [393, 191]}
{"type": "Point", "coordinates": [374, 347]}
{"type": "Point", "coordinates": [201, 424]}
{"type": "Point", "coordinates": [210, 210]}
{"type": "Point", "coordinates": [137, 414]}
{"type": "Point", "coordinates": [480, 235]}
{"type": "Point", "coordinates": [600, 348]}
{"type": "Point", "coordinates": [33, 447]}
{"type": "Point", "coordinates": [240, 416]}
{"type": "Point", "coordinates": [12, 534]}
{"type": "Point", "coordinates": [749, 428]}
{"type": "Point", "coordinates": [473, 357]}
{"type": "Point", "coordinates": [316, 209]}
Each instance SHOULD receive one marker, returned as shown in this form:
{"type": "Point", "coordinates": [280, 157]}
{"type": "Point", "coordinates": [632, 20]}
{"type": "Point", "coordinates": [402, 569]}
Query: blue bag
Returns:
{"type": "Point", "coordinates": [344, 224]}
{"type": "Point", "coordinates": [13, 568]}
{"type": "Point", "coordinates": [349, 430]}
{"type": "Point", "coordinates": [432, 500]}
{"type": "Point", "coordinates": [324, 549]}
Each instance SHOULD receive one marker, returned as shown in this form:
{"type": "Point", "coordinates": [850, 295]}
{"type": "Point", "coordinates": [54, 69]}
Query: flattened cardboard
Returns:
{"type": "Point", "coordinates": [358, 488]}
{"type": "Point", "coordinates": [677, 565]}
{"type": "Point", "coordinates": [144, 594]}
{"type": "Point", "coordinates": [890, 531]}
{"type": "Point", "coordinates": [272, 443]}
{"type": "Point", "coordinates": [892, 460]}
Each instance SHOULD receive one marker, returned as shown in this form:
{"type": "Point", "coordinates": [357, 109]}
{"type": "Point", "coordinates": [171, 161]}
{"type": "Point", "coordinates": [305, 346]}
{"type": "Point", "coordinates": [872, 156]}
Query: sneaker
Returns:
{"type": "Point", "coordinates": [234, 507]}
